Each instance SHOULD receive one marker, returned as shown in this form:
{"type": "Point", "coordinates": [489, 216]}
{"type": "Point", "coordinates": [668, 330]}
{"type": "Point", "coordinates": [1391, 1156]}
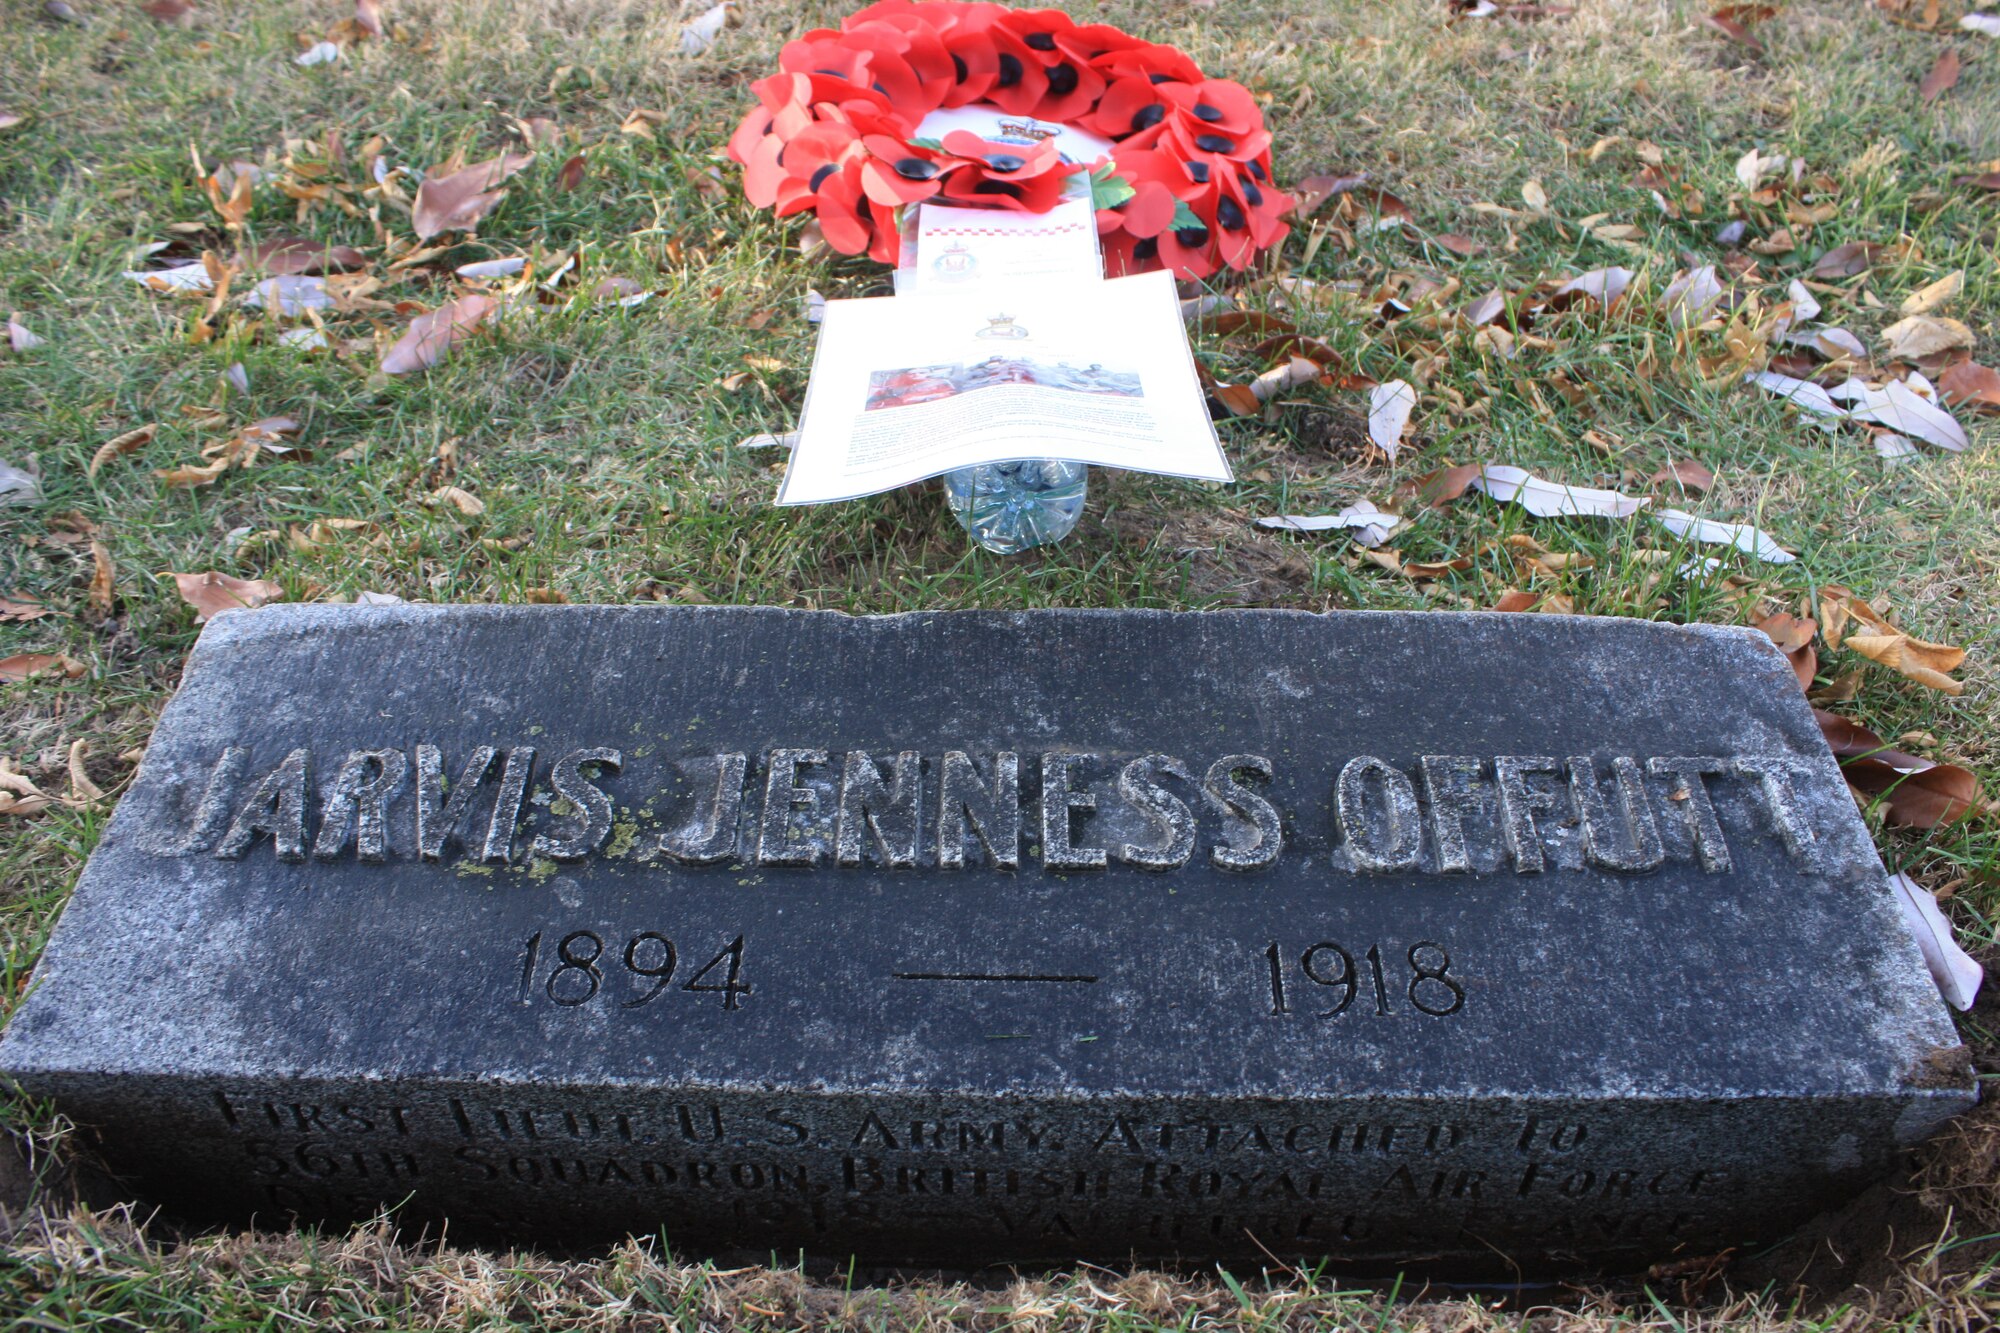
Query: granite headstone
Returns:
{"type": "Point", "coordinates": [1455, 940]}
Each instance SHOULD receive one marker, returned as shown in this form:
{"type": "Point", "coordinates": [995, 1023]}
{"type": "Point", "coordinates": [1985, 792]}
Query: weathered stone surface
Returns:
{"type": "Point", "coordinates": [975, 937]}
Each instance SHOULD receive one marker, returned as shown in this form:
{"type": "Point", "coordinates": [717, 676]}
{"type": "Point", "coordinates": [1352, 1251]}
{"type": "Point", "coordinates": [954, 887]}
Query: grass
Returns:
{"type": "Point", "coordinates": [602, 443]}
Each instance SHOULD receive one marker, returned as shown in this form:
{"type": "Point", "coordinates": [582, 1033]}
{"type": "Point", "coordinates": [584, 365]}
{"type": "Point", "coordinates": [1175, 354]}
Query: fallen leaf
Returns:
{"type": "Point", "coordinates": [462, 500]}
{"type": "Point", "coordinates": [1547, 499]}
{"type": "Point", "coordinates": [19, 486]}
{"type": "Point", "coordinates": [1313, 191]}
{"type": "Point", "coordinates": [700, 34]}
{"type": "Point", "coordinates": [16, 606]}
{"type": "Point", "coordinates": [1603, 285]}
{"type": "Point", "coordinates": [319, 53]}
{"type": "Point", "coordinates": [120, 445]}
{"type": "Point", "coordinates": [368, 16]}
{"type": "Point", "coordinates": [18, 336]}
{"type": "Point", "coordinates": [1942, 76]}
{"type": "Point", "coordinates": [193, 475]}
{"type": "Point", "coordinates": [1845, 261]}
{"type": "Point", "coordinates": [1958, 977]}
{"type": "Point", "coordinates": [458, 200]}
{"type": "Point", "coordinates": [1925, 663]}
{"type": "Point", "coordinates": [294, 255]}
{"type": "Point", "coordinates": [570, 174]}
{"type": "Point", "coordinates": [1905, 411]}
{"type": "Point", "coordinates": [193, 277]}
{"type": "Point", "coordinates": [1514, 599]}
{"type": "Point", "coordinates": [1690, 296]}
{"type": "Point", "coordinates": [1370, 526]}
{"type": "Point", "coordinates": [1754, 166]}
{"type": "Point", "coordinates": [1749, 540]}
{"type": "Point", "coordinates": [430, 337]}
{"type": "Point", "coordinates": [1487, 308]}
{"type": "Point", "coordinates": [1298, 370]}
{"type": "Point", "coordinates": [1919, 336]}
{"type": "Point", "coordinates": [1462, 246]}
{"type": "Point", "coordinates": [1983, 23]}
{"type": "Point", "coordinates": [1534, 196]}
{"type": "Point", "coordinates": [26, 666]}
{"type": "Point", "coordinates": [1734, 30]}
{"type": "Point", "coordinates": [169, 11]}
{"type": "Point", "coordinates": [1688, 473]}
{"type": "Point", "coordinates": [103, 586]}
{"type": "Point", "coordinates": [1895, 450]}
{"type": "Point", "coordinates": [9, 119]}
{"type": "Point", "coordinates": [1794, 637]}
{"type": "Point", "coordinates": [1389, 408]}
{"type": "Point", "coordinates": [1969, 384]}
{"type": "Point", "coordinates": [1928, 298]}
{"type": "Point", "coordinates": [210, 593]}
{"type": "Point", "coordinates": [18, 795]}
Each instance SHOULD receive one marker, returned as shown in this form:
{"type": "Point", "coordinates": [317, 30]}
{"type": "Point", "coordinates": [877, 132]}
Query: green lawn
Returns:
{"type": "Point", "coordinates": [601, 442]}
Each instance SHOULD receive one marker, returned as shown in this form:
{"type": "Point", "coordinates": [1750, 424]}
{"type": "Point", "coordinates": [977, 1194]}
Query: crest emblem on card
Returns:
{"type": "Point", "coordinates": [1001, 326]}
{"type": "Point", "coordinates": [955, 263]}
{"type": "Point", "coordinates": [1024, 130]}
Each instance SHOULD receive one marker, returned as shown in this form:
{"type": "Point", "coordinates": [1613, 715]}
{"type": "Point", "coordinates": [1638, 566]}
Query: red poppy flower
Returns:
{"type": "Point", "coordinates": [1219, 105]}
{"type": "Point", "coordinates": [897, 173]}
{"type": "Point", "coordinates": [984, 174]}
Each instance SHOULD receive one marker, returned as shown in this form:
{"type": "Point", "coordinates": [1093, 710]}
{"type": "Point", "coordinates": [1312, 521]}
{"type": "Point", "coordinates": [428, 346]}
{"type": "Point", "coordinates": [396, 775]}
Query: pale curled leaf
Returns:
{"type": "Point", "coordinates": [1370, 526]}
{"type": "Point", "coordinates": [290, 295]}
{"type": "Point", "coordinates": [1907, 412]}
{"type": "Point", "coordinates": [464, 501]}
{"type": "Point", "coordinates": [1278, 379]}
{"type": "Point", "coordinates": [1958, 977]}
{"type": "Point", "coordinates": [18, 486]}
{"type": "Point", "coordinates": [1925, 663]}
{"type": "Point", "coordinates": [1929, 297]}
{"type": "Point", "coordinates": [1603, 285]}
{"type": "Point", "coordinates": [18, 336]}
{"type": "Point", "coordinates": [1749, 540]}
{"type": "Point", "coordinates": [1690, 296]}
{"type": "Point", "coordinates": [319, 53]}
{"type": "Point", "coordinates": [1989, 24]}
{"type": "Point", "coordinates": [1800, 393]}
{"type": "Point", "coordinates": [1917, 336]}
{"type": "Point", "coordinates": [180, 278]}
{"type": "Point", "coordinates": [211, 593]}
{"type": "Point", "coordinates": [700, 34]}
{"type": "Point", "coordinates": [1548, 499]}
{"type": "Point", "coordinates": [430, 337]}
{"type": "Point", "coordinates": [1389, 408]}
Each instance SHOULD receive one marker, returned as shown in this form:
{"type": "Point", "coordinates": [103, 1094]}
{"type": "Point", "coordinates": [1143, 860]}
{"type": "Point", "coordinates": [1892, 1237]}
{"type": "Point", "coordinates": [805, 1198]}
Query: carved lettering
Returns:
{"type": "Point", "coordinates": [593, 807]}
{"type": "Point", "coordinates": [1520, 803]}
{"type": "Point", "coordinates": [441, 821]}
{"type": "Point", "coordinates": [520, 766]}
{"type": "Point", "coordinates": [993, 814]}
{"type": "Point", "coordinates": [781, 841]}
{"type": "Point", "coordinates": [218, 798]}
{"type": "Point", "coordinates": [1690, 797]}
{"type": "Point", "coordinates": [1383, 832]}
{"type": "Point", "coordinates": [277, 806]}
{"type": "Point", "coordinates": [1059, 800]}
{"type": "Point", "coordinates": [1448, 780]}
{"type": "Point", "coordinates": [1629, 840]}
{"type": "Point", "coordinates": [1164, 810]}
{"type": "Point", "coordinates": [1774, 774]}
{"type": "Point", "coordinates": [712, 839]}
{"type": "Point", "coordinates": [1228, 797]}
{"type": "Point", "coordinates": [358, 804]}
{"type": "Point", "coordinates": [892, 812]}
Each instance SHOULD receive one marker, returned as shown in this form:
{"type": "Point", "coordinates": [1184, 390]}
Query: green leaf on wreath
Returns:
{"type": "Point", "coordinates": [935, 145]}
{"type": "Point", "coordinates": [1185, 217]}
{"type": "Point", "coordinates": [1108, 190]}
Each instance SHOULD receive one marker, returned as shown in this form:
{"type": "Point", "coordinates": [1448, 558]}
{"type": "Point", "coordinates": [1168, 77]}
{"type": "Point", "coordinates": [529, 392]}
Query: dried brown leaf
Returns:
{"type": "Point", "coordinates": [26, 666]}
{"type": "Point", "coordinates": [1925, 663]}
{"type": "Point", "coordinates": [211, 593]}
{"type": "Point", "coordinates": [460, 499]}
{"type": "Point", "coordinates": [1691, 475]}
{"type": "Point", "coordinates": [1846, 260]}
{"type": "Point", "coordinates": [19, 606]}
{"type": "Point", "coordinates": [103, 579]}
{"type": "Point", "coordinates": [120, 445]}
{"type": "Point", "coordinates": [1942, 76]}
{"type": "Point", "coordinates": [1969, 384]}
{"type": "Point", "coordinates": [431, 337]}
{"type": "Point", "coordinates": [456, 201]}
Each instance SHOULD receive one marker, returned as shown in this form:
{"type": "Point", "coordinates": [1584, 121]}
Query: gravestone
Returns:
{"type": "Point", "coordinates": [1468, 941]}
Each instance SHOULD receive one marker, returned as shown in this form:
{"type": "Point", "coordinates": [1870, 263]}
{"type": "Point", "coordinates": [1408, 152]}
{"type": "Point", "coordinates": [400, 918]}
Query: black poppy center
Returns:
{"type": "Point", "coordinates": [1229, 214]}
{"type": "Point", "coordinates": [1252, 193]}
{"type": "Point", "coordinates": [1147, 117]}
{"type": "Point", "coordinates": [1215, 143]}
{"type": "Point", "coordinates": [1008, 188]}
{"type": "Point", "coordinates": [1198, 172]}
{"type": "Point", "coordinates": [1148, 248]}
{"type": "Point", "coordinates": [1010, 70]}
{"type": "Point", "coordinates": [1006, 162]}
{"type": "Point", "coordinates": [1062, 79]}
{"type": "Point", "coordinates": [1041, 41]}
{"type": "Point", "coordinates": [1192, 237]}
{"type": "Point", "coordinates": [1255, 170]}
{"type": "Point", "coordinates": [1203, 111]}
{"type": "Point", "coordinates": [958, 69]}
{"type": "Point", "coordinates": [819, 176]}
{"type": "Point", "coordinates": [1157, 79]}
{"type": "Point", "coordinates": [915, 169]}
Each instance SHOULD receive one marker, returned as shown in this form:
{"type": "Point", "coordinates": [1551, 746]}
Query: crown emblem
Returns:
{"type": "Point", "coordinates": [1026, 129]}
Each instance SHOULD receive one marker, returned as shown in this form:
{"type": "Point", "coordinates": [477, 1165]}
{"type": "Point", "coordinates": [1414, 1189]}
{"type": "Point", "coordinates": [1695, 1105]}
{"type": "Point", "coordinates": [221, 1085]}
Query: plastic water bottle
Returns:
{"type": "Point", "coordinates": [1008, 507]}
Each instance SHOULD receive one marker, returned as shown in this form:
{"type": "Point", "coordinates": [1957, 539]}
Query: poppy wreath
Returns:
{"type": "Point", "coordinates": [1187, 185]}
